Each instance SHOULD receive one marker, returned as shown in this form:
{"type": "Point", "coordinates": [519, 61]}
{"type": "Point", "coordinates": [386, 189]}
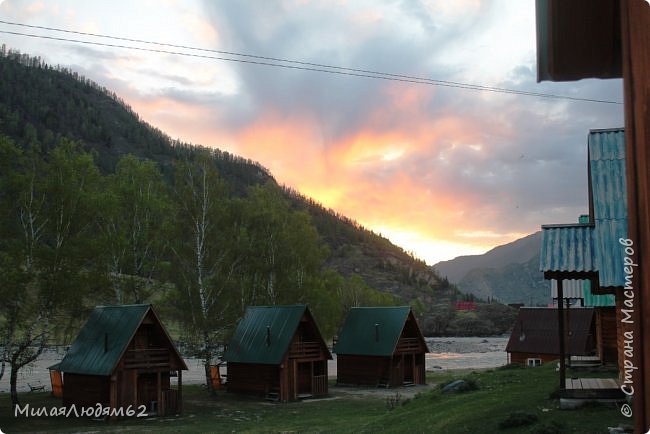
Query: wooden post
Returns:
{"type": "Point", "coordinates": [113, 399]}
{"type": "Point", "coordinates": [560, 328]}
{"type": "Point", "coordinates": [294, 370]}
{"type": "Point", "coordinates": [134, 374]}
{"type": "Point", "coordinates": [635, 36]}
{"type": "Point", "coordinates": [159, 411]}
{"type": "Point", "coordinates": [568, 334]}
{"type": "Point", "coordinates": [180, 390]}
{"type": "Point", "coordinates": [286, 377]}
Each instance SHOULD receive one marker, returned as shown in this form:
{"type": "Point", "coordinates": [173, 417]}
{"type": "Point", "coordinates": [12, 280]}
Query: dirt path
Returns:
{"type": "Point", "coordinates": [377, 392]}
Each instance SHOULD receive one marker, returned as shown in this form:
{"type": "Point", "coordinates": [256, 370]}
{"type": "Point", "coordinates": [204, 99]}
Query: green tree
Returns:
{"type": "Point", "coordinates": [355, 292]}
{"type": "Point", "coordinates": [12, 276]}
{"type": "Point", "coordinates": [48, 253]}
{"type": "Point", "coordinates": [285, 249]}
{"type": "Point", "coordinates": [136, 219]}
{"type": "Point", "coordinates": [502, 316]}
{"type": "Point", "coordinates": [469, 324]}
{"type": "Point", "coordinates": [26, 308]}
{"type": "Point", "coordinates": [437, 320]}
{"type": "Point", "coordinates": [324, 302]}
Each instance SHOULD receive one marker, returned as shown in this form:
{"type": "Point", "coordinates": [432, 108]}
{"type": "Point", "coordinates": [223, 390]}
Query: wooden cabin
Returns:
{"type": "Point", "coordinates": [591, 249]}
{"type": "Point", "coordinates": [380, 346]}
{"type": "Point", "coordinates": [123, 357]}
{"type": "Point", "coordinates": [535, 339]}
{"type": "Point", "coordinates": [277, 352]}
{"type": "Point", "coordinates": [588, 37]}
{"type": "Point", "coordinates": [580, 293]}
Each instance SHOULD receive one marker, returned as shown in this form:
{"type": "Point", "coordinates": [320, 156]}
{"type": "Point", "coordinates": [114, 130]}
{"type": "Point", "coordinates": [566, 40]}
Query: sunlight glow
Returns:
{"type": "Point", "coordinates": [393, 154]}
{"type": "Point", "coordinates": [429, 250]}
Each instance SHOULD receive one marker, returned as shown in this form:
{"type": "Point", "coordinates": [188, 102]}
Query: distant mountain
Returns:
{"type": "Point", "coordinates": [509, 273]}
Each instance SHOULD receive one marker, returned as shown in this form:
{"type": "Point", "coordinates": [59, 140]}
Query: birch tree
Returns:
{"type": "Point", "coordinates": [204, 262]}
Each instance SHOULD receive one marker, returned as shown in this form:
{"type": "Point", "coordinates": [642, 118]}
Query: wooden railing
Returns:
{"type": "Point", "coordinates": [319, 385]}
{"type": "Point", "coordinates": [304, 350]}
{"type": "Point", "coordinates": [146, 358]}
{"type": "Point", "coordinates": [408, 345]}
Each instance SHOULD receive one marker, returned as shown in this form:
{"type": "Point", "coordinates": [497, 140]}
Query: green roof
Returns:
{"type": "Point", "coordinates": [264, 334]}
{"type": "Point", "coordinates": [103, 339]}
{"type": "Point", "coordinates": [373, 331]}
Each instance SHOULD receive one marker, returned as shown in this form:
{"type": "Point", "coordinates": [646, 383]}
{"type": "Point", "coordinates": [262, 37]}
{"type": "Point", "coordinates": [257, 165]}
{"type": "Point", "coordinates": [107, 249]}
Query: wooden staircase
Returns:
{"type": "Point", "coordinates": [384, 382]}
{"type": "Point", "coordinates": [273, 394]}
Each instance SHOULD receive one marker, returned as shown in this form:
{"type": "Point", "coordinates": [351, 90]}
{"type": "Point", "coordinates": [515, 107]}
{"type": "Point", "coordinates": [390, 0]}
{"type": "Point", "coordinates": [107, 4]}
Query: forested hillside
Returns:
{"type": "Point", "coordinates": [99, 207]}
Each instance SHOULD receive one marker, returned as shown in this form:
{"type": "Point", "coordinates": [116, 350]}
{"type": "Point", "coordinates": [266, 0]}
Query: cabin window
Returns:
{"type": "Point", "coordinates": [533, 362]}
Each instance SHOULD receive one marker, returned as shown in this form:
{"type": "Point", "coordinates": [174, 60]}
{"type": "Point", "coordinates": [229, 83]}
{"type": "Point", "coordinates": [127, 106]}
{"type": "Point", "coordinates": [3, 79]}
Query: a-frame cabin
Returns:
{"type": "Point", "coordinates": [381, 346]}
{"type": "Point", "coordinates": [277, 352]}
{"type": "Point", "coordinates": [123, 357]}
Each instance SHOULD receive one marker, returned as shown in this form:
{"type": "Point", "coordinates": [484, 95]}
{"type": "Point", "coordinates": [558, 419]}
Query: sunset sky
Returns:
{"type": "Point", "coordinates": [441, 171]}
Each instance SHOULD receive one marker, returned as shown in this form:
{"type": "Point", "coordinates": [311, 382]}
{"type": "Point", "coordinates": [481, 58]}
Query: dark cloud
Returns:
{"type": "Point", "coordinates": [339, 102]}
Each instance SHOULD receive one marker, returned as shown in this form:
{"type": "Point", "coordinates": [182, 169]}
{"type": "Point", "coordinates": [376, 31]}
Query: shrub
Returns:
{"type": "Point", "coordinates": [393, 401]}
{"type": "Point", "coordinates": [549, 428]}
{"type": "Point", "coordinates": [518, 418]}
{"type": "Point", "coordinates": [470, 384]}
{"type": "Point", "coordinates": [510, 366]}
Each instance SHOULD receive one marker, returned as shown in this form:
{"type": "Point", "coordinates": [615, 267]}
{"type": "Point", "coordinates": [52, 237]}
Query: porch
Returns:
{"type": "Point", "coordinates": [592, 388]}
{"type": "Point", "coordinates": [305, 350]}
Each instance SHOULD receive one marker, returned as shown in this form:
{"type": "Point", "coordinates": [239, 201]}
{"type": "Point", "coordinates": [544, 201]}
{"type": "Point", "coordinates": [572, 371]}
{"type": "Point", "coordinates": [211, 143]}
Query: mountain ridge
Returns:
{"type": "Point", "coordinates": [508, 273]}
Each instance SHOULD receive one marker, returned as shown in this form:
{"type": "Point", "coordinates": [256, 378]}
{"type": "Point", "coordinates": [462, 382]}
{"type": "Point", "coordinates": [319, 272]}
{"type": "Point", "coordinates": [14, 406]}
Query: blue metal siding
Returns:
{"type": "Point", "coordinates": [607, 144]}
{"type": "Point", "coordinates": [567, 248]}
{"type": "Point", "coordinates": [609, 199]}
{"type": "Point", "coordinates": [584, 248]}
{"type": "Point", "coordinates": [608, 189]}
{"type": "Point", "coordinates": [610, 252]}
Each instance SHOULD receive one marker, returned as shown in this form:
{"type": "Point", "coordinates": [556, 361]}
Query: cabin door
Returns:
{"type": "Point", "coordinates": [397, 371]}
{"type": "Point", "coordinates": [418, 374]}
{"type": "Point", "coordinates": [409, 368]}
{"type": "Point", "coordinates": [305, 374]}
{"type": "Point", "coordinates": [148, 390]}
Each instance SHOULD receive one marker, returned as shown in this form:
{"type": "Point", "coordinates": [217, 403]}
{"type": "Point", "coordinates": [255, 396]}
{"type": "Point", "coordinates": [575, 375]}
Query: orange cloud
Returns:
{"type": "Point", "coordinates": [337, 175]}
{"type": "Point", "coordinates": [394, 173]}
{"type": "Point", "coordinates": [201, 29]}
{"type": "Point", "coordinates": [364, 175]}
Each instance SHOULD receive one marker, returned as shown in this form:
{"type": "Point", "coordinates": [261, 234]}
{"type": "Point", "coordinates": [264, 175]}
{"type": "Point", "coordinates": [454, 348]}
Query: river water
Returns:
{"type": "Point", "coordinates": [466, 353]}
{"type": "Point", "coordinates": [446, 353]}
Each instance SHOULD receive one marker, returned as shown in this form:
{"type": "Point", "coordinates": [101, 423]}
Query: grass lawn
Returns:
{"type": "Point", "coordinates": [517, 397]}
